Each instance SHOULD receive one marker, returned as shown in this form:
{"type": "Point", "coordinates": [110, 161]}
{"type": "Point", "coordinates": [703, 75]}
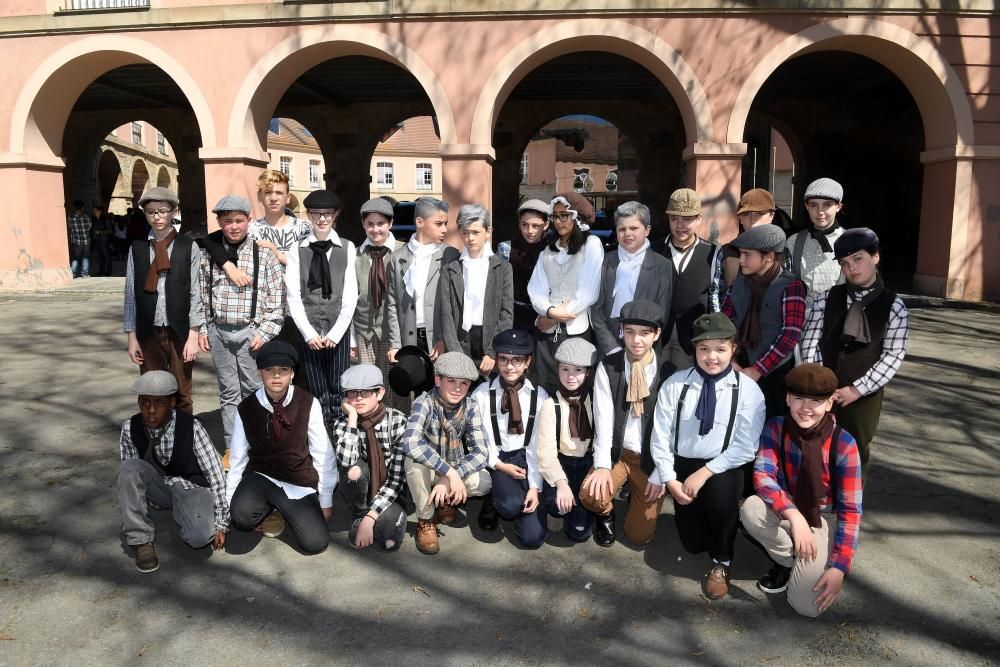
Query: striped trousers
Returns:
{"type": "Point", "coordinates": [323, 369]}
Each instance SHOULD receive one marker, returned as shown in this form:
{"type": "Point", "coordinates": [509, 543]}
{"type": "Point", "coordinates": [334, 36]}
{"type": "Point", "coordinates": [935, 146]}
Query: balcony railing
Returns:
{"type": "Point", "coordinates": [102, 5]}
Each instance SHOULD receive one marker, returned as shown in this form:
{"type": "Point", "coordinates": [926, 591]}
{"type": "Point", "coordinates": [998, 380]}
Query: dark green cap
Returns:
{"type": "Point", "coordinates": [712, 326]}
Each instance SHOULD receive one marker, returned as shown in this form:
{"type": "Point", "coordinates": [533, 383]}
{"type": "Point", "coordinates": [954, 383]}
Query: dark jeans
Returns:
{"type": "Point", "coordinates": [390, 526]}
{"type": "Point", "coordinates": [257, 496]}
{"type": "Point", "coordinates": [579, 522]}
{"type": "Point", "coordinates": [709, 522]}
{"type": "Point", "coordinates": [508, 498]}
{"type": "Point", "coordinates": [102, 246]}
{"type": "Point", "coordinates": [79, 259]}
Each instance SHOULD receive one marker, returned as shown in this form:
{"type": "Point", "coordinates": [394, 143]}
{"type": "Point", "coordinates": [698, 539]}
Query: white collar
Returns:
{"type": "Point", "coordinates": [527, 384]}
{"type": "Point", "coordinates": [265, 401]}
{"type": "Point", "coordinates": [390, 243]}
{"type": "Point", "coordinates": [625, 256]}
{"type": "Point", "coordinates": [332, 237]}
{"type": "Point", "coordinates": [486, 254]}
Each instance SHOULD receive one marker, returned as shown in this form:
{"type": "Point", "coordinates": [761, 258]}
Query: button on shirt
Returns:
{"type": "Point", "coordinates": [604, 416]}
{"type": "Point", "coordinates": [348, 301]}
{"type": "Point", "coordinates": [627, 277]}
{"type": "Point", "coordinates": [510, 442]}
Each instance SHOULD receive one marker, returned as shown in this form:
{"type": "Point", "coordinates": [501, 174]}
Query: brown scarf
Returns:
{"type": "Point", "coordinates": [510, 404]}
{"type": "Point", "coordinates": [750, 328]}
{"type": "Point", "coordinates": [856, 323]}
{"type": "Point", "coordinates": [579, 421]}
{"type": "Point", "coordinates": [376, 274]}
{"type": "Point", "coordinates": [638, 387]}
{"type": "Point", "coordinates": [810, 491]}
{"type": "Point", "coordinates": [161, 260]}
{"type": "Point", "coordinates": [450, 445]}
{"type": "Point", "coordinates": [376, 457]}
{"type": "Point", "coordinates": [280, 423]}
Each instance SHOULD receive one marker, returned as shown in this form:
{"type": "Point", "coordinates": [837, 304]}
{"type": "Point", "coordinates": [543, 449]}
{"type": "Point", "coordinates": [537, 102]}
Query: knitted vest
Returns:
{"type": "Point", "coordinates": [614, 365]}
{"type": "Point", "coordinates": [177, 288]}
{"type": "Point", "coordinates": [850, 361]}
{"type": "Point", "coordinates": [770, 310]}
{"type": "Point", "coordinates": [288, 460]}
{"type": "Point", "coordinates": [183, 462]}
{"type": "Point", "coordinates": [322, 313]}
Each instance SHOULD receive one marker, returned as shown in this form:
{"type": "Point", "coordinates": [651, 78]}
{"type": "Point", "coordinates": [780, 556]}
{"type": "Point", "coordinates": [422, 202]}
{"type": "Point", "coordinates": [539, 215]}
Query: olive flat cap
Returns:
{"type": "Point", "coordinates": [853, 240]}
{"type": "Point", "coordinates": [456, 365]}
{"type": "Point", "coordinates": [577, 352]}
{"type": "Point", "coordinates": [377, 205]}
{"type": "Point", "coordinates": [155, 383]}
{"type": "Point", "coordinates": [158, 194]}
{"type": "Point", "coordinates": [642, 312]}
{"type": "Point", "coordinates": [685, 202]}
{"type": "Point", "coordinates": [234, 203]}
{"type": "Point", "coordinates": [764, 238]}
{"type": "Point", "coordinates": [811, 381]}
{"type": "Point", "coordinates": [362, 376]}
{"type": "Point", "coordinates": [320, 199]}
{"type": "Point", "coordinates": [713, 326]}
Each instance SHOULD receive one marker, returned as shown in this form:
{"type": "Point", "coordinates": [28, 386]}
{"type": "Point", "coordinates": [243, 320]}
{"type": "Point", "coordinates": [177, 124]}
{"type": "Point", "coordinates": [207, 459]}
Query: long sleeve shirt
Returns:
{"type": "Point", "coordinates": [423, 433]}
{"type": "Point", "coordinates": [894, 342]}
{"type": "Point", "coordinates": [587, 286]}
{"type": "Point", "coordinates": [793, 317]}
{"type": "Point", "coordinates": [78, 226]}
{"type": "Point", "coordinates": [746, 427]}
{"type": "Point", "coordinates": [604, 416]}
{"type": "Point", "coordinates": [510, 442]}
{"type": "Point", "coordinates": [348, 299]}
{"type": "Point", "coordinates": [160, 314]}
{"type": "Point", "coordinates": [547, 449]}
{"type": "Point", "coordinates": [352, 446]}
{"type": "Point", "coordinates": [776, 485]}
{"type": "Point", "coordinates": [320, 450]}
{"type": "Point", "coordinates": [223, 302]}
{"type": "Point", "coordinates": [162, 440]}
{"type": "Point", "coordinates": [817, 269]}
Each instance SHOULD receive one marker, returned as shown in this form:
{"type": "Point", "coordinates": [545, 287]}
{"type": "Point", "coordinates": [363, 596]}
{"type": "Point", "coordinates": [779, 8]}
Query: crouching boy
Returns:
{"type": "Point", "coordinates": [446, 451]}
{"type": "Point", "coordinates": [168, 460]}
{"type": "Point", "coordinates": [369, 444]}
{"type": "Point", "coordinates": [280, 443]}
{"type": "Point", "coordinates": [807, 510]}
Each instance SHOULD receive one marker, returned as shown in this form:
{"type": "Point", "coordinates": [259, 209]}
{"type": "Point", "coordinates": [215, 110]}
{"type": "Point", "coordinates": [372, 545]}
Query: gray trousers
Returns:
{"type": "Point", "coordinates": [235, 369]}
{"type": "Point", "coordinates": [139, 484]}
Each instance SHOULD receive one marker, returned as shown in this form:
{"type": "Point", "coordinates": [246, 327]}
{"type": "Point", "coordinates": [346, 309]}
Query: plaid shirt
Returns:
{"type": "Point", "coordinates": [793, 317]}
{"type": "Point", "coordinates": [773, 485]}
{"type": "Point", "coordinates": [204, 452]}
{"type": "Point", "coordinates": [351, 445]}
{"type": "Point", "coordinates": [78, 224]}
{"type": "Point", "coordinates": [894, 341]}
{"type": "Point", "coordinates": [423, 431]}
{"type": "Point", "coordinates": [231, 304]}
{"type": "Point", "coordinates": [717, 290]}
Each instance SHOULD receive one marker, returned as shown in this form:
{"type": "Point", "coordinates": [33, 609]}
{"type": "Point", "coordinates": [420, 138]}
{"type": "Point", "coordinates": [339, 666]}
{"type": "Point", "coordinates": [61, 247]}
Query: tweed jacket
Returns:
{"type": "Point", "coordinates": [401, 317]}
{"type": "Point", "coordinates": [498, 306]}
{"type": "Point", "coordinates": [656, 284]}
{"type": "Point", "coordinates": [368, 324]}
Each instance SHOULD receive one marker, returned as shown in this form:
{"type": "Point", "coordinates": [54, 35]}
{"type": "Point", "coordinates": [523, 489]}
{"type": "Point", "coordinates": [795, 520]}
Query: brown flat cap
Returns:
{"type": "Point", "coordinates": [811, 381]}
{"type": "Point", "coordinates": [758, 199]}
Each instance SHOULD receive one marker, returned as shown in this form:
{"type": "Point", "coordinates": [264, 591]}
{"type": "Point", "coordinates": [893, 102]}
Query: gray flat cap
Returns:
{"type": "Point", "coordinates": [577, 352]}
{"type": "Point", "coordinates": [765, 238]}
{"type": "Point", "coordinates": [377, 205]}
{"type": "Point", "coordinates": [155, 383]}
{"type": "Point", "coordinates": [456, 365]}
{"type": "Point", "coordinates": [232, 203]}
{"type": "Point", "coordinates": [825, 188]}
{"type": "Point", "coordinates": [158, 194]}
{"type": "Point", "coordinates": [536, 205]}
{"type": "Point", "coordinates": [362, 376]}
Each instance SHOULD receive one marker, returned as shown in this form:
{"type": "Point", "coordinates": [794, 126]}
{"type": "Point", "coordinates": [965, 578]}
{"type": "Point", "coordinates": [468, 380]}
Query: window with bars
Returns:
{"type": "Point", "coordinates": [425, 176]}
{"type": "Point", "coordinates": [384, 175]}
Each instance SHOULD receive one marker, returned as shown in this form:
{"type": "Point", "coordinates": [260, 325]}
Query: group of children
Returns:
{"type": "Point", "coordinates": [548, 379]}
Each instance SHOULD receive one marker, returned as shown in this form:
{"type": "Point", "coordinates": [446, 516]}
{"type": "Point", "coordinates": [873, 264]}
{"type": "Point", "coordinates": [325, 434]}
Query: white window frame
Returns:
{"type": "Point", "coordinates": [383, 169]}
{"type": "Point", "coordinates": [137, 132]}
{"type": "Point", "coordinates": [424, 177]}
{"type": "Point", "coordinates": [524, 168]}
{"type": "Point", "coordinates": [285, 166]}
{"type": "Point", "coordinates": [314, 167]}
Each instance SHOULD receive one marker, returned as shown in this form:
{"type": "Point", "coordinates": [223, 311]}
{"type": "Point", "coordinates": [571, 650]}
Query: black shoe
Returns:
{"type": "Point", "coordinates": [488, 519]}
{"type": "Point", "coordinates": [776, 579]}
{"type": "Point", "coordinates": [604, 529]}
{"type": "Point", "coordinates": [626, 492]}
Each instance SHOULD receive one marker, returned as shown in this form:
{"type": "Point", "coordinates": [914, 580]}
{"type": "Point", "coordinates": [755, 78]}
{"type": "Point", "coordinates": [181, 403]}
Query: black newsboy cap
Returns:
{"type": "Point", "coordinates": [853, 240]}
{"type": "Point", "coordinates": [321, 199]}
{"type": "Point", "coordinates": [642, 312]}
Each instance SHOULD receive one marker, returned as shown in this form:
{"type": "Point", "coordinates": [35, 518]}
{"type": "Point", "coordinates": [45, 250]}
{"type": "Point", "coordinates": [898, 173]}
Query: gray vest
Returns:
{"type": "Point", "coordinates": [322, 313]}
{"type": "Point", "coordinates": [770, 310]}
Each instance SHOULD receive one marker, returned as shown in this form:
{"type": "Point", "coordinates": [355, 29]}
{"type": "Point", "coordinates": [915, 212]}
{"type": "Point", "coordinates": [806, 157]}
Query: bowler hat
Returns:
{"type": "Point", "coordinates": [413, 371]}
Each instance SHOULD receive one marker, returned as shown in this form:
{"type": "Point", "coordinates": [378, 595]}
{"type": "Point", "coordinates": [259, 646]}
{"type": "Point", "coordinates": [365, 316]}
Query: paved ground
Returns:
{"type": "Point", "coordinates": [923, 591]}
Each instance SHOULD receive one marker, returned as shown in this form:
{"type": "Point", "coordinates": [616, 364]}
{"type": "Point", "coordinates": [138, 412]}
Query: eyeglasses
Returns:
{"type": "Point", "coordinates": [515, 362]}
{"type": "Point", "coordinates": [360, 393]}
{"type": "Point", "coordinates": [561, 217]}
{"type": "Point", "coordinates": [319, 215]}
{"type": "Point", "coordinates": [162, 213]}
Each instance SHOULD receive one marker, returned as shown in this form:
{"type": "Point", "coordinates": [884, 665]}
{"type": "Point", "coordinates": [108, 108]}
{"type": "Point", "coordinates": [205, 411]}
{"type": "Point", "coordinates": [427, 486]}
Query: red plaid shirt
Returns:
{"type": "Point", "coordinates": [793, 318]}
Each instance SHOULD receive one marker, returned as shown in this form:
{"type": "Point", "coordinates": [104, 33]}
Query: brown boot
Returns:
{"type": "Point", "coordinates": [717, 582]}
{"type": "Point", "coordinates": [427, 536]}
{"type": "Point", "coordinates": [445, 515]}
{"type": "Point", "coordinates": [145, 558]}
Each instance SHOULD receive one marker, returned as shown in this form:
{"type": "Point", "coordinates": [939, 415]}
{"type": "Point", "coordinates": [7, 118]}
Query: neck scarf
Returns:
{"type": "Point", "coordinates": [810, 491]}
{"type": "Point", "coordinates": [161, 260]}
{"type": "Point", "coordinates": [450, 445]}
{"type": "Point", "coordinates": [638, 386]}
{"type": "Point", "coordinates": [579, 422]}
{"type": "Point", "coordinates": [319, 268]}
{"type": "Point", "coordinates": [525, 255]}
{"type": "Point", "coordinates": [233, 251]}
{"type": "Point", "coordinates": [821, 235]}
{"type": "Point", "coordinates": [280, 423]}
{"type": "Point", "coordinates": [376, 457]}
{"type": "Point", "coordinates": [705, 411]}
{"type": "Point", "coordinates": [416, 275]}
{"type": "Point", "coordinates": [750, 328]}
{"type": "Point", "coordinates": [856, 323]}
{"type": "Point", "coordinates": [510, 404]}
{"type": "Point", "coordinates": [376, 274]}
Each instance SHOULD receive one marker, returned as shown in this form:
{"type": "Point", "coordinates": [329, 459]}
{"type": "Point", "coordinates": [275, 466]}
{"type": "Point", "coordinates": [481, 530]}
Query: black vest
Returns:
{"type": "Point", "coordinates": [614, 364]}
{"type": "Point", "coordinates": [183, 462]}
{"type": "Point", "coordinates": [288, 460]}
{"type": "Point", "coordinates": [177, 289]}
{"type": "Point", "coordinates": [852, 360]}
{"type": "Point", "coordinates": [690, 290]}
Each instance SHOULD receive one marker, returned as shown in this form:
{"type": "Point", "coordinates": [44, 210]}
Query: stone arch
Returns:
{"type": "Point", "coordinates": [109, 176]}
{"type": "Point", "coordinates": [923, 70]}
{"type": "Point", "coordinates": [163, 177]}
{"type": "Point", "coordinates": [618, 37]}
{"type": "Point", "coordinates": [47, 98]}
{"type": "Point", "coordinates": [139, 180]}
{"type": "Point", "coordinates": [264, 85]}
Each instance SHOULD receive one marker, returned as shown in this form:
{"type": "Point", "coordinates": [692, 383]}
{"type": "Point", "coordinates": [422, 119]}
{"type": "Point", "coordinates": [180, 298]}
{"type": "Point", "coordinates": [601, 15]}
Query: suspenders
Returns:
{"type": "Point", "coordinates": [797, 251]}
{"type": "Point", "coordinates": [253, 295]}
{"type": "Point", "coordinates": [732, 414]}
{"type": "Point", "coordinates": [531, 416]}
{"type": "Point", "coordinates": [558, 407]}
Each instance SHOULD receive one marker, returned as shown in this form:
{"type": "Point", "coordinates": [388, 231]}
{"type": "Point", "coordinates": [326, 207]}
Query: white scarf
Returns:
{"type": "Point", "coordinates": [475, 272]}
{"type": "Point", "coordinates": [627, 276]}
{"type": "Point", "coordinates": [417, 273]}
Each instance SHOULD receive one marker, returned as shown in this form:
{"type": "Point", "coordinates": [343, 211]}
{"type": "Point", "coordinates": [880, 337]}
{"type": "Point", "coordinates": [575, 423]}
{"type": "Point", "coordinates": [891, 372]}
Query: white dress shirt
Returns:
{"type": "Point", "coordinates": [627, 276]}
{"type": "Point", "coordinates": [320, 449]}
{"type": "Point", "coordinates": [475, 272]}
{"type": "Point", "coordinates": [681, 258]}
{"type": "Point", "coordinates": [573, 281]}
{"type": "Point", "coordinates": [390, 243]}
{"type": "Point", "coordinates": [510, 442]}
{"type": "Point", "coordinates": [348, 300]}
{"type": "Point", "coordinates": [604, 416]}
{"type": "Point", "coordinates": [416, 276]}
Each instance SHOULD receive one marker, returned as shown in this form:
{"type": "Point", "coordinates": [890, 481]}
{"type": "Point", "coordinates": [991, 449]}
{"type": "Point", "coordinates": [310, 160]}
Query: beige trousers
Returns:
{"type": "Point", "coordinates": [420, 479]}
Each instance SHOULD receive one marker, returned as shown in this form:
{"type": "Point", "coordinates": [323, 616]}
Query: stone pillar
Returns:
{"type": "Point", "coordinates": [466, 177]}
{"type": "Point", "coordinates": [231, 171]}
{"type": "Point", "coordinates": [714, 171]}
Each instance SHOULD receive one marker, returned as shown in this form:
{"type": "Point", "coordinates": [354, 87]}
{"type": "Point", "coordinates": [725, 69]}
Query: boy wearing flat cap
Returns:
{"type": "Point", "coordinates": [522, 252]}
{"type": "Point", "coordinates": [321, 292]}
{"type": "Point", "coordinates": [811, 250]}
{"type": "Point", "coordinates": [281, 459]}
{"type": "Point", "coordinates": [368, 439]}
{"type": "Point", "coordinates": [446, 452]}
{"type": "Point", "coordinates": [169, 460]}
{"type": "Point", "coordinates": [768, 306]}
{"type": "Point", "coordinates": [163, 309]}
{"type": "Point", "coordinates": [707, 426]}
{"type": "Point", "coordinates": [807, 509]}
{"type": "Point", "coordinates": [859, 330]}
{"type": "Point", "coordinates": [238, 320]}
{"type": "Point", "coordinates": [625, 389]}
{"type": "Point", "coordinates": [509, 404]}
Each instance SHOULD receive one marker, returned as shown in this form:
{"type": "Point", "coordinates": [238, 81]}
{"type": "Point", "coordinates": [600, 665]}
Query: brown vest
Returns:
{"type": "Point", "coordinates": [289, 460]}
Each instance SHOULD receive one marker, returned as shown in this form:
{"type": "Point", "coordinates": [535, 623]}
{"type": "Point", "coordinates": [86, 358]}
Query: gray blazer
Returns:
{"type": "Point", "coordinates": [656, 284]}
{"type": "Point", "coordinates": [370, 324]}
{"type": "Point", "coordinates": [401, 317]}
{"type": "Point", "coordinates": [498, 305]}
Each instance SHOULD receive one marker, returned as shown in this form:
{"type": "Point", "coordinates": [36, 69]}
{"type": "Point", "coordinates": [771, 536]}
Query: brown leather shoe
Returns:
{"type": "Point", "coordinates": [427, 536]}
{"type": "Point", "coordinates": [145, 558]}
{"type": "Point", "coordinates": [716, 583]}
{"type": "Point", "coordinates": [445, 515]}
